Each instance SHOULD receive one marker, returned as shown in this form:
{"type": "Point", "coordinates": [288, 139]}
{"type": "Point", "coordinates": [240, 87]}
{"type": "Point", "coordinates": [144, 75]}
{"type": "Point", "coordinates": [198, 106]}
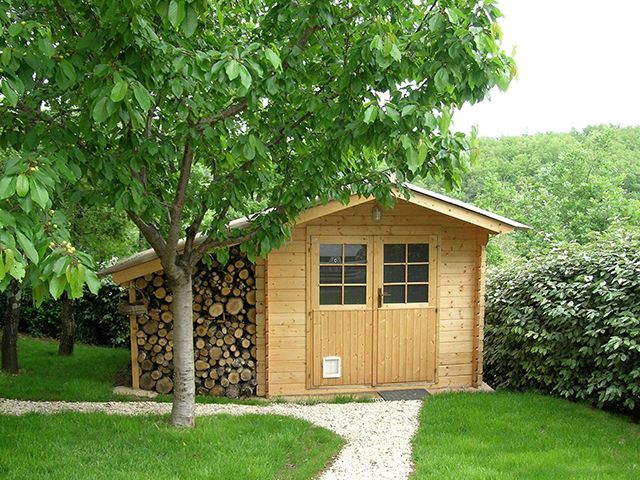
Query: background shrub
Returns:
{"type": "Point", "coordinates": [97, 321]}
{"type": "Point", "coordinates": [568, 323]}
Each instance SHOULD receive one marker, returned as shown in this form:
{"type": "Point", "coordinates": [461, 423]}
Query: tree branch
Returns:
{"type": "Point", "coordinates": [231, 111]}
{"type": "Point", "coordinates": [151, 233]}
{"type": "Point", "coordinates": [177, 207]}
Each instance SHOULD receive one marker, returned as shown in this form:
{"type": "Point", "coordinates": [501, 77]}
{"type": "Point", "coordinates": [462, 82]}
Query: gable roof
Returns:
{"type": "Point", "coordinates": [147, 261]}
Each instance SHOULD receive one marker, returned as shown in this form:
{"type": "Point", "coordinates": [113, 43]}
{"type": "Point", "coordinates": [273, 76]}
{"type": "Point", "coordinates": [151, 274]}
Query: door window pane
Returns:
{"type": "Point", "coordinates": [343, 274]}
{"type": "Point", "coordinates": [330, 274]}
{"type": "Point", "coordinates": [354, 253]}
{"type": "Point", "coordinates": [331, 295]}
{"type": "Point", "coordinates": [406, 273]}
{"type": "Point", "coordinates": [355, 295]}
{"type": "Point", "coordinates": [417, 293]}
{"type": "Point", "coordinates": [355, 274]}
{"type": "Point", "coordinates": [418, 252]}
{"type": "Point", "coordinates": [330, 253]}
{"type": "Point", "coordinates": [394, 294]}
{"type": "Point", "coordinates": [394, 253]}
{"type": "Point", "coordinates": [418, 273]}
{"type": "Point", "coordinates": [394, 273]}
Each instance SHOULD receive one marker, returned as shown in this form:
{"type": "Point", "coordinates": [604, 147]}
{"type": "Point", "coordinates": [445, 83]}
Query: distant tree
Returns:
{"type": "Point", "coordinates": [182, 112]}
{"type": "Point", "coordinates": [567, 186]}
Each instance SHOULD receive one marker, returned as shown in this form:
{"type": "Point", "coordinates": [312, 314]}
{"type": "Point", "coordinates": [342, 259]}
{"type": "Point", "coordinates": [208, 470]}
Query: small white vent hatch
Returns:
{"type": "Point", "coordinates": [331, 367]}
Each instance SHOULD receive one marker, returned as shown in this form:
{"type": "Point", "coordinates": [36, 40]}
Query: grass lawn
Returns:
{"type": "Point", "coordinates": [522, 436]}
{"type": "Point", "coordinates": [99, 446]}
{"type": "Point", "coordinates": [87, 375]}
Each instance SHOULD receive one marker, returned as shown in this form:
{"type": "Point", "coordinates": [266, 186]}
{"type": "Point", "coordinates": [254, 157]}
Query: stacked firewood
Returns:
{"type": "Point", "coordinates": [224, 317]}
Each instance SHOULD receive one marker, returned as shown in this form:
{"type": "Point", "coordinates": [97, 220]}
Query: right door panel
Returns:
{"type": "Point", "coordinates": [405, 315]}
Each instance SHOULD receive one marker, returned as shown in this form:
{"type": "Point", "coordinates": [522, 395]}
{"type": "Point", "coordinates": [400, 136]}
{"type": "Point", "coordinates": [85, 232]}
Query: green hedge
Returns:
{"type": "Point", "coordinates": [97, 321]}
{"type": "Point", "coordinates": [568, 323]}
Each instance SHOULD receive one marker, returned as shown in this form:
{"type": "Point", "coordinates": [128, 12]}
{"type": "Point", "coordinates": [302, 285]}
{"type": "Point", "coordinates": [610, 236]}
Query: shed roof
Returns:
{"type": "Point", "coordinates": [419, 196]}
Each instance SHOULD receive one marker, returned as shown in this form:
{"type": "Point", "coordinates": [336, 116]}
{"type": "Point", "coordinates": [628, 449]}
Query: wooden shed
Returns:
{"type": "Point", "coordinates": [361, 298]}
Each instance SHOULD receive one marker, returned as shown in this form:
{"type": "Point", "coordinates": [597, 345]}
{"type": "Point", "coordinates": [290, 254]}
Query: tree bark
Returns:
{"type": "Point", "coordinates": [67, 334]}
{"type": "Point", "coordinates": [10, 330]}
{"type": "Point", "coordinates": [184, 395]}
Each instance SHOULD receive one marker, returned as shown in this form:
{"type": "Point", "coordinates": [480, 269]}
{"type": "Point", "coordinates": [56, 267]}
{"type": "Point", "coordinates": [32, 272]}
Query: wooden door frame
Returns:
{"type": "Point", "coordinates": [431, 235]}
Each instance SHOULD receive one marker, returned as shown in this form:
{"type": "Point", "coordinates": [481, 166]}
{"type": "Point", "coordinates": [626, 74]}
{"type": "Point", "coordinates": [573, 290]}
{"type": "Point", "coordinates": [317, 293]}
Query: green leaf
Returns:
{"type": "Point", "coordinates": [68, 69]}
{"type": "Point", "coordinates": [176, 13]}
{"type": "Point", "coordinates": [370, 114]}
{"type": "Point", "coordinates": [9, 94]}
{"type": "Point", "coordinates": [273, 58]}
{"type": "Point", "coordinates": [442, 80]}
{"type": "Point", "coordinates": [248, 151]}
{"type": "Point", "coordinates": [430, 120]}
{"type": "Point", "coordinates": [22, 185]}
{"type": "Point", "coordinates": [233, 69]}
{"type": "Point", "coordinates": [119, 91]}
{"type": "Point", "coordinates": [395, 53]}
{"type": "Point", "coordinates": [412, 159]}
{"type": "Point", "coordinates": [142, 97]}
{"type": "Point", "coordinates": [409, 109]}
{"type": "Point", "coordinates": [92, 281]}
{"type": "Point", "coordinates": [39, 194]}
{"type": "Point", "coordinates": [190, 22]}
{"type": "Point", "coordinates": [27, 247]}
{"type": "Point", "coordinates": [7, 187]}
{"type": "Point", "coordinates": [392, 113]}
{"type": "Point", "coordinates": [100, 112]}
{"type": "Point", "coordinates": [5, 58]}
{"type": "Point", "coordinates": [245, 76]}
{"type": "Point", "coordinates": [46, 47]}
{"type": "Point", "coordinates": [6, 219]}
{"type": "Point", "coordinates": [56, 286]}
{"type": "Point", "coordinates": [60, 265]}
{"type": "Point", "coordinates": [15, 29]}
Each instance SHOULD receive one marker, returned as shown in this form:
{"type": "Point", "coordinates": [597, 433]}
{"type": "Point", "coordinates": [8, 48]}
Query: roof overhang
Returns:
{"type": "Point", "coordinates": [146, 262]}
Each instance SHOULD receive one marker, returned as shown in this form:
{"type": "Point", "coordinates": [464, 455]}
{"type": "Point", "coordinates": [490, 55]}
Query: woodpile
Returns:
{"type": "Point", "coordinates": [224, 321]}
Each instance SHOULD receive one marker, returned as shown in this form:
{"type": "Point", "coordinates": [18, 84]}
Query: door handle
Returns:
{"type": "Point", "coordinates": [381, 296]}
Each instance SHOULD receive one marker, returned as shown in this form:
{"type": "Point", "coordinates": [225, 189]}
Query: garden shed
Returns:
{"type": "Point", "coordinates": [361, 298]}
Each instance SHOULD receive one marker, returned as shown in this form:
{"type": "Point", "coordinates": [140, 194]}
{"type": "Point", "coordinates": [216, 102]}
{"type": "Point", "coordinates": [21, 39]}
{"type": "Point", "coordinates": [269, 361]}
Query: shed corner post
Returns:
{"type": "Point", "coordinates": [478, 320]}
{"type": "Point", "coordinates": [133, 329]}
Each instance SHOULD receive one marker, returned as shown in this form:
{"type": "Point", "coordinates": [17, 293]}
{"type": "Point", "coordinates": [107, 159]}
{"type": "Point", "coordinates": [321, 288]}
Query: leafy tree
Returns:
{"type": "Point", "coordinates": [182, 112]}
{"type": "Point", "coordinates": [566, 186]}
{"type": "Point", "coordinates": [34, 244]}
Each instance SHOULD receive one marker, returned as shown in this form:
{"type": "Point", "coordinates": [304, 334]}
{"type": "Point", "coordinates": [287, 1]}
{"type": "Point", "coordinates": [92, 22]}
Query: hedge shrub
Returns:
{"type": "Point", "coordinates": [97, 321]}
{"type": "Point", "coordinates": [568, 323]}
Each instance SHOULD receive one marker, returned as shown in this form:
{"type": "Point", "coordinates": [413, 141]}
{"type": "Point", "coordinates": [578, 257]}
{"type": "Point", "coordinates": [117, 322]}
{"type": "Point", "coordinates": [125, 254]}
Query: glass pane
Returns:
{"type": "Point", "coordinates": [418, 273]}
{"type": "Point", "coordinates": [418, 252]}
{"type": "Point", "coordinates": [394, 253]}
{"type": "Point", "coordinates": [355, 274]}
{"type": "Point", "coordinates": [394, 273]}
{"type": "Point", "coordinates": [330, 253]}
{"type": "Point", "coordinates": [330, 274]}
{"type": "Point", "coordinates": [393, 294]}
{"type": "Point", "coordinates": [330, 295]}
{"type": "Point", "coordinates": [417, 293]}
{"type": "Point", "coordinates": [355, 295]}
{"type": "Point", "coordinates": [355, 253]}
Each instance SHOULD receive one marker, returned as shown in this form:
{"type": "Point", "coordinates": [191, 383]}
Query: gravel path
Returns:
{"type": "Point", "coordinates": [378, 435]}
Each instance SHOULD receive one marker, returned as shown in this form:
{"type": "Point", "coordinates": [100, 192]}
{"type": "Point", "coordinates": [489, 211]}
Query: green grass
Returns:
{"type": "Point", "coordinates": [87, 375]}
{"type": "Point", "coordinates": [522, 436]}
{"type": "Point", "coordinates": [100, 446]}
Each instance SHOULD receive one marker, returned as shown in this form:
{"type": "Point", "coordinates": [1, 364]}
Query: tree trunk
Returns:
{"type": "Point", "coordinates": [10, 330]}
{"type": "Point", "coordinates": [67, 334]}
{"type": "Point", "coordinates": [183, 410]}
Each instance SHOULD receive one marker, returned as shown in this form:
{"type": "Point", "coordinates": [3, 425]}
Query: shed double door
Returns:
{"type": "Point", "coordinates": [372, 311]}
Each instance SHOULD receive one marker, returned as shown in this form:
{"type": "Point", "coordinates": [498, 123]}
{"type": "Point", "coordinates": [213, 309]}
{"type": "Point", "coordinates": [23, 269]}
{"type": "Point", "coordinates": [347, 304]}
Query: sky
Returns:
{"type": "Point", "coordinates": [578, 65]}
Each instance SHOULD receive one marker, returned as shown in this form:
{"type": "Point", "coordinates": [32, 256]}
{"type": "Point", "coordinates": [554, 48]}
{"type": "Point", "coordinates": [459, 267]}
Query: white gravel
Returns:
{"type": "Point", "coordinates": [378, 435]}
